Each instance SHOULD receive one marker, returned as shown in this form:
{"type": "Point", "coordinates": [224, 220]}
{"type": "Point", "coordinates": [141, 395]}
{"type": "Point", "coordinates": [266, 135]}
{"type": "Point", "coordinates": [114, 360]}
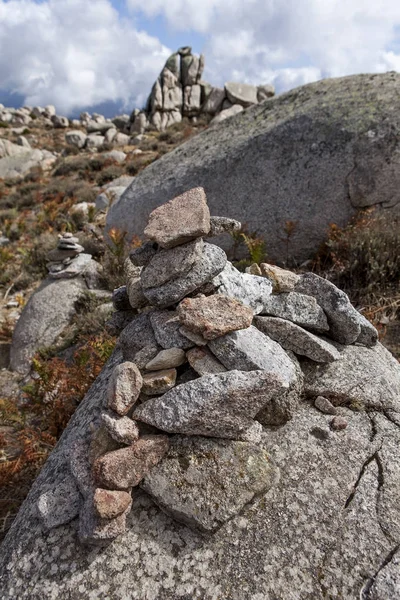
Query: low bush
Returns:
{"type": "Point", "coordinates": [109, 173]}
{"type": "Point", "coordinates": [51, 400]}
{"type": "Point", "coordinates": [35, 259]}
{"type": "Point", "coordinates": [364, 257]}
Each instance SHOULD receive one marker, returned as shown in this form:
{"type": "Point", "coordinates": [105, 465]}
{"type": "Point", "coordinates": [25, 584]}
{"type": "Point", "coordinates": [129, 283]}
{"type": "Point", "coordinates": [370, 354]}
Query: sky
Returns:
{"type": "Point", "coordinates": [104, 55]}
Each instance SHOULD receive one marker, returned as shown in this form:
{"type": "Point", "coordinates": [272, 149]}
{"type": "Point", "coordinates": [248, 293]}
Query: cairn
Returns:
{"type": "Point", "coordinates": [67, 259]}
{"type": "Point", "coordinates": [211, 358]}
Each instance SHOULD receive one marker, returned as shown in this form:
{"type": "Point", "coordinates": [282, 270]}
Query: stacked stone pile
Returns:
{"type": "Point", "coordinates": [180, 92]}
{"type": "Point", "coordinates": [212, 358]}
{"type": "Point", "coordinates": [68, 259]}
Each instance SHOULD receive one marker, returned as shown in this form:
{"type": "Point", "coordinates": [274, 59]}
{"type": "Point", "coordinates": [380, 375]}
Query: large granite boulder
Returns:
{"type": "Point", "coordinates": [313, 155]}
{"type": "Point", "coordinates": [48, 312]}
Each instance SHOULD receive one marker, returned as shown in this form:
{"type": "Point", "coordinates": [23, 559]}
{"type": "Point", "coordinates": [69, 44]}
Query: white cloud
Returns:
{"type": "Point", "coordinates": [75, 53]}
{"type": "Point", "coordinates": [285, 42]}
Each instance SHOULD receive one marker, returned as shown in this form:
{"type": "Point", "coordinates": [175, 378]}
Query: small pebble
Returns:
{"type": "Point", "coordinates": [338, 423]}
{"type": "Point", "coordinates": [325, 406]}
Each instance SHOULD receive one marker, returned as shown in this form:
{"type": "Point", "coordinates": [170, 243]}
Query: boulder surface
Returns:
{"type": "Point", "coordinates": [313, 156]}
{"type": "Point", "coordinates": [47, 313]}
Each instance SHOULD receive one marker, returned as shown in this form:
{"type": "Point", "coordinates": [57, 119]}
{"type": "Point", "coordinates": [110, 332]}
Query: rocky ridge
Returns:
{"type": "Point", "coordinates": [212, 361]}
{"type": "Point", "coordinates": [180, 92]}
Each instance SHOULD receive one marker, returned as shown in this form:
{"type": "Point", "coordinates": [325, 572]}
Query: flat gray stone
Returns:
{"type": "Point", "coordinates": [120, 299]}
{"type": "Point", "coordinates": [343, 319]}
{"type": "Point", "coordinates": [362, 377]}
{"type": "Point", "coordinates": [196, 338]}
{"type": "Point", "coordinates": [171, 264]}
{"type": "Point", "coordinates": [137, 335]}
{"type": "Point", "coordinates": [60, 504]}
{"type": "Point", "coordinates": [205, 482]}
{"type": "Point", "coordinates": [298, 340]}
{"type": "Point", "coordinates": [298, 308]}
{"type": "Point", "coordinates": [76, 267]}
{"type": "Point", "coordinates": [145, 355]}
{"type": "Point", "coordinates": [166, 326]}
{"type": "Point", "coordinates": [249, 289]}
{"type": "Point", "coordinates": [142, 255]}
{"type": "Point", "coordinates": [221, 405]}
{"type": "Point", "coordinates": [206, 267]}
{"type": "Point", "coordinates": [249, 350]}
{"type": "Point", "coordinates": [167, 359]}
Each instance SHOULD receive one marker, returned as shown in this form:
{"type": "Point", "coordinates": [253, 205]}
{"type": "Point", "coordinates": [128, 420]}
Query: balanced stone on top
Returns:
{"type": "Point", "coordinates": [180, 220]}
{"type": "Point", "coordinates": [68, 248]}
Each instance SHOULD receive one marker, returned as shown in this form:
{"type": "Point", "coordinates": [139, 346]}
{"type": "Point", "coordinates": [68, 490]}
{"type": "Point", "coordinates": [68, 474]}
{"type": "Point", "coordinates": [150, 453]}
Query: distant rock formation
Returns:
{"type": "Point", "coordinates": [180, 92]}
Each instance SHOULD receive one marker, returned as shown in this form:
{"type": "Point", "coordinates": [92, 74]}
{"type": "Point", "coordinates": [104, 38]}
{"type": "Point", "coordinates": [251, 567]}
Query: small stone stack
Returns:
{"type": "Point", "coordinates": [67, 260]}
{"type": "Point", "coordinates": [212, 358]}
